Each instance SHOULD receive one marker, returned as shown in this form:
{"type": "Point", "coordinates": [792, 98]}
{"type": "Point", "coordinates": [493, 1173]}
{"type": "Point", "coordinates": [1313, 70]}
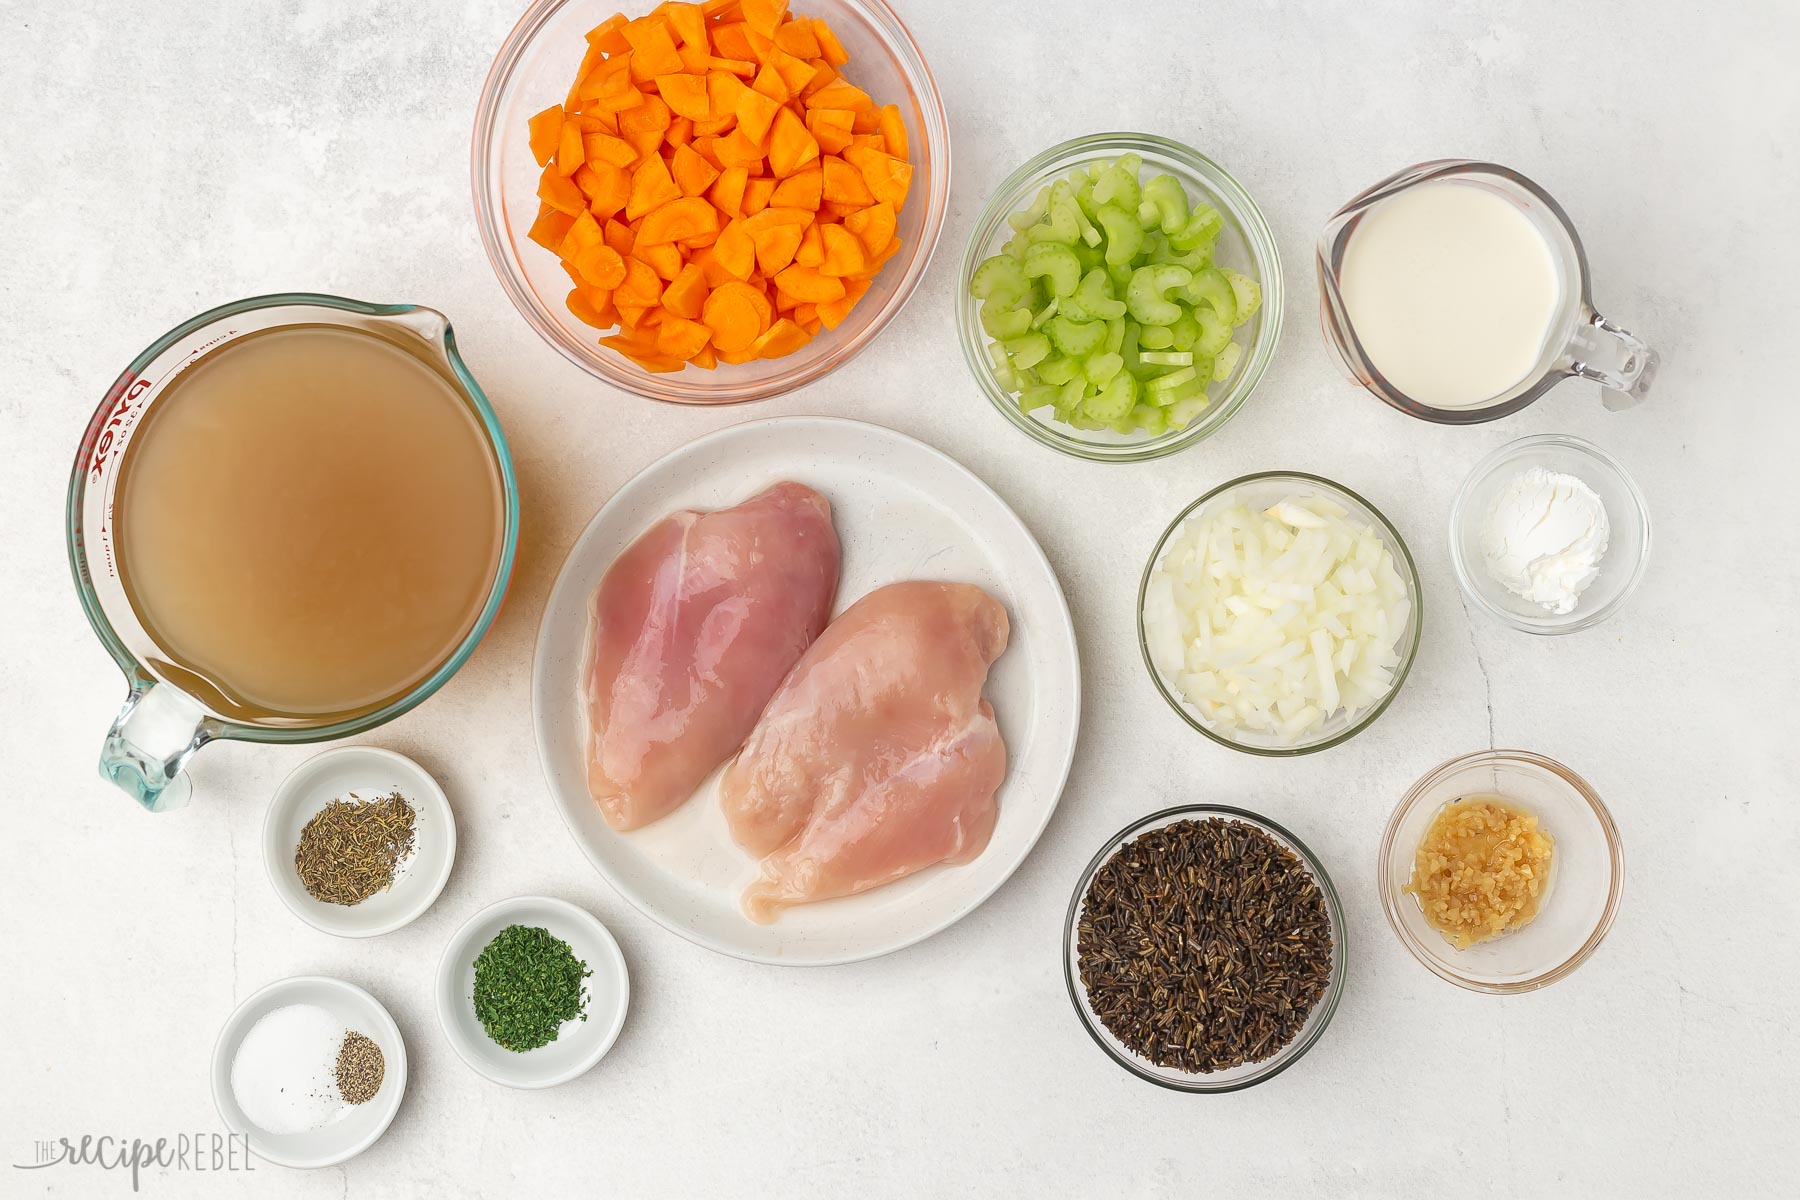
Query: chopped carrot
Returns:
{"type": "Point", "coordinates": [651, 187]}
{"type": "Point", "coordinates": [831, 127]}
{"type": "Point", "coordinates": [737, 314]}
{"type": "Point", "coordinates": [812, 248]}
{"type": "Point", "coordinates": [790, 146]}
{"type": "Point", "coordinates": [844, 184]}
{"type": "Point", "coordinates": [796, 37]}
{"type": "Point", "coordinates": [731, 40]}
{"type": "Point", "coordinates": [555, 189]}
{"type": "Point", "coordinates": [764, 16]}
{"type": "Point", "coordinates": [606, 187]}
{"type": "Point", "coordinates": [830, 49]}
{"type": "Point", "coordinates": [842, 95]}
{"type": "Point", "coordinates": [686, 95]}
{"type": "Point", "coordinates": [735, 251]}
{"type": "Point", "coordinates": [550, 228]}
{"type": "Point", "coordinates": [663, 258]}
{"type": "Point", "coordinates": [804, 283]}
{"type": "Point", "coordinates": [687, 293]}
{"type": "Point", "coordinates": [601, 266]}
{"type": "Point", "coordinates": [692, 174]}
{"type": "Point", "coordinates": [727, 193]}
{"type": "Point", "coordinates": [776, 246]}
{"type": "Point", "coordinates": [681, 338]}
{"type": "Point", "coordinates": [796, 73]}
{"type": "Point", "coordinates": [874, 225]}
{"type": "Point", "coordinates": [756, 195]}
{"type": "Point", "coordinates": [715, 187]}
{"type": "Point", "coordinates": [833, 312]}
{"type": "Point", "coordinates": [755, 113]}
{"type": "Point", "coordinates": [844, 254]}
{"type": "Point", "coordinates": [769, 82]}
{"type": "Point", "coordinates": [607, 148]}
{"type": "Point", "coordinates": [803, 189]}
{"type": "Point", "coordinates": [686, 21]}
{"type": "Point", "coordinates": [893, 132]}
{"type": "Point", "coordinates": [641, 288]}
{"type": "Point", "coordinates": [678, 220]}
{"type": "Point", "coordinates": [546, 133]}
{"type": "Point", "coordinates": [783, 337]}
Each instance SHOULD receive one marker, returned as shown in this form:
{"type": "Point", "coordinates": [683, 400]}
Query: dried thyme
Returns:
{"type": "Point", "coordinates": [351, 848]}
{"type": "Point", "coordinates": [527, 983]}
{"type": "Point", "coordinates": [1203, 945]}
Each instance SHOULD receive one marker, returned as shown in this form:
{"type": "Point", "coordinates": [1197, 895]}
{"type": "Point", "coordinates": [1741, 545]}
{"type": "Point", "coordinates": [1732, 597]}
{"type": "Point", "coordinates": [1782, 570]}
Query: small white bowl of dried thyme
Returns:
{"type": "Point", "coordinates": [358, 841]}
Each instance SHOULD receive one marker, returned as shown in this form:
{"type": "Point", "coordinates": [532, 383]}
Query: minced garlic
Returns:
{"type": "Point", "coordinates": [1481, 869]}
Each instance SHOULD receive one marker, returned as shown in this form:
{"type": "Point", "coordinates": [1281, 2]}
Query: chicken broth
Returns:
{"type": "Point", "coordinates": [309, 524]}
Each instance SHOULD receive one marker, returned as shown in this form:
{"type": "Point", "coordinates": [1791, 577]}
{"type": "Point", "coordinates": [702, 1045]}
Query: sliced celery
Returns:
{"type": "Point", "coordinates": [1144, 296]}
{"type": "Point", "coordinates": [1156, 358]}
{"type": "Point", "coordinates": [1077, 339]}
{"type": "Point", "coordinates": [1057, 265]}
{"type": "Point", "coordinates": [1124, 236]}
{"type": "Point", "coordinates": [1000, 279]}
{"type": "Point", "coordinates": [1028, 351]}
{"type": "Point", "coordinates": [1227, 362]}
{"type": "Point", "coordinates": [1002, 322]}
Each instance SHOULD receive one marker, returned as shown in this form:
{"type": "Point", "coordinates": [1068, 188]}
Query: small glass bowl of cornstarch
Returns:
{"type": "Point", "coordinates": [1538, 585]}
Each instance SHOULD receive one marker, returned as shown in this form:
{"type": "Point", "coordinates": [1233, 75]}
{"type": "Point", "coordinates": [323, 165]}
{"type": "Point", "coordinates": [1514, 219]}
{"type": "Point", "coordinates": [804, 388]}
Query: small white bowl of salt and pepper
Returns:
{"type": "Point", "coordinates": [401, 852]}
{"type": "Point", "coordinates": [309, 1071]}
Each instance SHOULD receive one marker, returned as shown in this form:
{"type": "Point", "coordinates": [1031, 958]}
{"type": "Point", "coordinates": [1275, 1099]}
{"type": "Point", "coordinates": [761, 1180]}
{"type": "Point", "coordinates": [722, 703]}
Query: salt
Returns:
{"type": "Point", "coordinates": [283, 1075]}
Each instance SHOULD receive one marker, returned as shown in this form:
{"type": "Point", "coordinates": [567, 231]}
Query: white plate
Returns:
{"type": "Point", "coordinates": [579, 1044]}
{"type": "Point", "coordinates": [361, 1124]}
{"type": "Point", "coordinates": [369, 772]}
{"type": "Point", "coordinates": [902, 511]}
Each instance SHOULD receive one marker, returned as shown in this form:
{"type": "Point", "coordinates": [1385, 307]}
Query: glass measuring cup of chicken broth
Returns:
{"type": "Point", "coordinates": [1458, 291]}
{"type": "Point", "coordinates": [290, 520]}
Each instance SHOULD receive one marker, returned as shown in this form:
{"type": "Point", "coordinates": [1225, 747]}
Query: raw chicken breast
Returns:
{"type": "Point", "coordinates": [692, 629]}
{"type": "Point", "coordinates": [878, 757]}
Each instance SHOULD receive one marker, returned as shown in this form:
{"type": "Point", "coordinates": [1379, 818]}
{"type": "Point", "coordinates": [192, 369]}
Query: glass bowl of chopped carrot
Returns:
{"type": "Point", "coordinates": [714, 202]}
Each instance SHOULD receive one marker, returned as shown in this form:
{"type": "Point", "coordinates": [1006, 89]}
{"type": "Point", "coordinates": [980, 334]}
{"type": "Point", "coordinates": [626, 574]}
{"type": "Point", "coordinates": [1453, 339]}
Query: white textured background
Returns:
{"type": "Point", "coordinates": [156, 159]}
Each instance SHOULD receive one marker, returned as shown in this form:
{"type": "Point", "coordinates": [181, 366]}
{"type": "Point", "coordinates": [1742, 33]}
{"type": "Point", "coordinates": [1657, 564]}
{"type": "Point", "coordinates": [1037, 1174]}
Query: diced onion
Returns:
{"type": "Point", "coordinates": [1274, 623]}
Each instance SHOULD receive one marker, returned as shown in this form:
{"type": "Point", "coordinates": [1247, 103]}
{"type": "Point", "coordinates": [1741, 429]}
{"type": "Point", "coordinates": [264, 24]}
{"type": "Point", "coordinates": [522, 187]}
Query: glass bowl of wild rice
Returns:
{"type": "Point", "coordinates": [1204, 948]}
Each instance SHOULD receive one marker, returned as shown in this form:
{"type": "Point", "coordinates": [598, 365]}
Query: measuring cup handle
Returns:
{"type": "Point", "coordinates": [1613, 358]}
{"type": "Point", "coordinates": [156, 732]}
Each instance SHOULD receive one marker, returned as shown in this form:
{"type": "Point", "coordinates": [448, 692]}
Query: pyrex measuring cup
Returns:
{"type": "Point", "coordinates": [1580, 341]}
{"type": "Point", "coordinates": [162, 724]}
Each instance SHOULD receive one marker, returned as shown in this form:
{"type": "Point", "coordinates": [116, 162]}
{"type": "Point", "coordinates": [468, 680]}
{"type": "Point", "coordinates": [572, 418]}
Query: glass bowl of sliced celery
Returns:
{"type": "Point", "coordinates": [1121, 297]}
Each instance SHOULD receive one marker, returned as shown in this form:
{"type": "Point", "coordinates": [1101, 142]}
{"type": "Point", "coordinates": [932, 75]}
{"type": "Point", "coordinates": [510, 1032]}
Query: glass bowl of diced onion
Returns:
{"type": "Point", "coordinates": [1245, 245]}
{"type": "Point", "coordinates": [1296, 572]}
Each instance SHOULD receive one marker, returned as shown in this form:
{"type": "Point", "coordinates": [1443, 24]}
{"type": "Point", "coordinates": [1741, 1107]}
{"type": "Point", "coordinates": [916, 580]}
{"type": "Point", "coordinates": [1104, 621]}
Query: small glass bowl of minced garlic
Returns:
{"type": "Point", "coordinates": [1501, 871]}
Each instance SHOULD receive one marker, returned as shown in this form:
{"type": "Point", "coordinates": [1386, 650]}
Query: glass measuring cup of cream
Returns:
{"type": "Point", "coordinates": [1458, 291]}
{"type": "Point", "coordinates": [291, 519]}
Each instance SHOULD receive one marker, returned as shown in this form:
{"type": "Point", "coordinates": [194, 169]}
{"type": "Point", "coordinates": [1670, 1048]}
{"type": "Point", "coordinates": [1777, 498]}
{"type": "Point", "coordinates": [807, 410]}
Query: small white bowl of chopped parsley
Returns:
{"type": "Point", "coordinates": [532, 991]}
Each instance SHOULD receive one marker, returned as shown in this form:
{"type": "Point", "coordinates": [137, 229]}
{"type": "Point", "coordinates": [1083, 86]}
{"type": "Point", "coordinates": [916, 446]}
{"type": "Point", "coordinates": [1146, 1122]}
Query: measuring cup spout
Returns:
{"type": "Point", "coordinates": [156, 732]}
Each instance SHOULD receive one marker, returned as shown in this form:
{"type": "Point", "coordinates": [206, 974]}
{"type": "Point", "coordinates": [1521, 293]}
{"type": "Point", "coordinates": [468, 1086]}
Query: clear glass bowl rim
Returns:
{"type": "Point", "coordinates": [896, 38]}
{"type": "Point", "coordinates": [219, 727]}
{"type": "Point", "coordinates": [1392, 899]}
{"type": "Point", "coordinates": [1057, 160]}
{"type": "Point", "coordinates": [1283, 1058]}
{"type": "Point", "coordinates": [1415, 593]}
{"type": "Point", "coordinates": [1464, 568]}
